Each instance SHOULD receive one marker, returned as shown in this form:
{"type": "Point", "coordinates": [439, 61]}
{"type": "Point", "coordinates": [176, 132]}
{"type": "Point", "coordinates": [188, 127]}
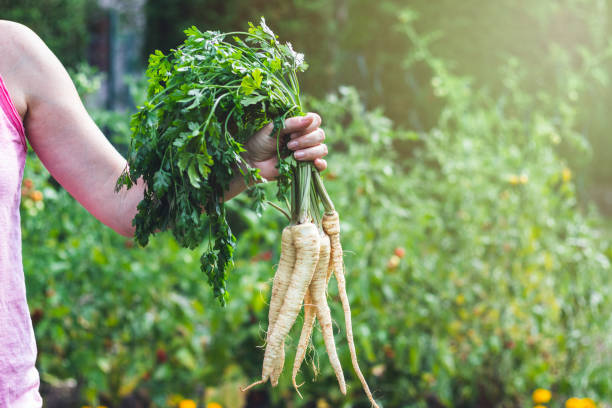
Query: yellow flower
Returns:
{"type": "Point", "coordinates": [573, 403]}
{"type": "Point", "coordinates": [321, 403]}
{"type": "Point", "coordinates": [187, 404]}
{"type": "Point", "coordinates": [540, 406]}
{"type": "Point", "coordinates": [514, 179]}
{"type": "Point", "coordinates": [102, 406]}
{"type": "Point", "coordinates": [566, 175]}
{"type": "Point", "coordinates": [213, 405]}
{"type": "Point", "coordinates": [588, 403]}
{"type": "Point", "coordinates": [541, 396]}
{"type": "Point", "coordinates": [36, 195]}
{"type": "Point", "coordinates": [523, 179]}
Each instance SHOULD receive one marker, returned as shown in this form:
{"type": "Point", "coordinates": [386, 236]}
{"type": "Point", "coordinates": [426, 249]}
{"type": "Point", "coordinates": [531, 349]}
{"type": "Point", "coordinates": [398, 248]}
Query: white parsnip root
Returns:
{"type": "Point", "coordinates": [279, 289]}
{"type": "Point", "coordinates": [310, 253]}
{"type": "Point", "coordinates": [306, 244]}
{"type": "Point", "coordinates": [318, 290]}
{"type": "Point", "coordinates": [309, 320]}
{"type": "Point", "coordinates": [331, 226]}
{"type": "Point", "coordinates": [317, 295]}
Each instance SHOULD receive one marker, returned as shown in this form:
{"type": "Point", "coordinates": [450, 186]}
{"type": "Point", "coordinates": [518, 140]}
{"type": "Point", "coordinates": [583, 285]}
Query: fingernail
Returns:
{"type": "Point", "coordinates": [292, 145]}
{"type": "Point", "coordinates": [305, 120]}
{"type": "Point", "coordinates": [299, 155]}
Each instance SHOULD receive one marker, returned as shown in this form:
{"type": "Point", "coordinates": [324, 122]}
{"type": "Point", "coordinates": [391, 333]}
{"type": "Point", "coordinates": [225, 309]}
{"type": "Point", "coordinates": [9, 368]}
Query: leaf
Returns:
{"type": "Point", "coordinates": [180, 142]}
{"type": "Point", "coordinates": [257, 77]}
{"type": "Point", "coordinates": [251, 100]}
{"type": "Point", "coordinates": [275, 64]}
{"type": "Point", "coordinates": [203, 165]}
{"type": "Point", "coordinates": [183, 161]}
{"type": "Point", "coordinates": [161, 182]}
{"type": "Point", "coordinates": [194, 177]}
{"type": "Point", "coordinates": [193, 32]}
{"type": "Point", "coordinates": [247, 85]}
{"type": "Point", "coordinates": [185, 357]}
{"type": "Point", "coordinates": [251, 82]}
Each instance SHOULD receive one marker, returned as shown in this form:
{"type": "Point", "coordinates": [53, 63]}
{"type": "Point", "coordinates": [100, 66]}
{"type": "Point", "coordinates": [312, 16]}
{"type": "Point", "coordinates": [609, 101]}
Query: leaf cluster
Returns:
{"type": "Point", "coordinates": [205, 99]}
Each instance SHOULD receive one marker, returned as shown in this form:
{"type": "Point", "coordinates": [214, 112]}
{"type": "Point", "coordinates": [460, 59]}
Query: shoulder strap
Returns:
{"type": "Point", "coordinates": [6, 104]}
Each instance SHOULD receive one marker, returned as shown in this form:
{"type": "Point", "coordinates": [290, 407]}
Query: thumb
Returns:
{"type": "Point", "coordinates": [261, 146]}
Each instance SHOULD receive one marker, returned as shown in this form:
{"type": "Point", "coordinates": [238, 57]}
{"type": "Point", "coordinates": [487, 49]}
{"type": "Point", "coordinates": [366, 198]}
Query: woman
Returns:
{"type": "Point", "coordinates": [39, 102]}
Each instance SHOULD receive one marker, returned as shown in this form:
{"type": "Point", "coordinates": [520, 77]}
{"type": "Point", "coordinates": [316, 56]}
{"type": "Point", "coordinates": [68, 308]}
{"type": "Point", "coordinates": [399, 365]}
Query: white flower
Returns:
{"type": "Point", "coordinates": [265, 28]}
{"type": "Point", "coordinates": [298, 57]}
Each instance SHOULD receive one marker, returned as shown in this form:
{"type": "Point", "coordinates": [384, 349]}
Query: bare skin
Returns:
{"type": "Point", "coordinates": [79, 156]}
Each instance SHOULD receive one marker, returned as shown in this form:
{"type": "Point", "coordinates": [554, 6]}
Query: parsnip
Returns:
{"type": "Point", "coordinates": [318, 290]}
{"type": "Point", "coordinates": [282, 278]}
{"type": "Point", "coordinates": [331, 226]}
{"type": "Point", "coordinates": [306, 243]}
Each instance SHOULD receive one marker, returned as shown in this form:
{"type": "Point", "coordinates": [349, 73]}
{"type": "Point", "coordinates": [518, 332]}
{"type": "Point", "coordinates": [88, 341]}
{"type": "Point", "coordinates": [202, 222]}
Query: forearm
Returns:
{"type": "Point", "coordinates": [237, 186]}
{"type": "Point", "coordinates": [127, 206]}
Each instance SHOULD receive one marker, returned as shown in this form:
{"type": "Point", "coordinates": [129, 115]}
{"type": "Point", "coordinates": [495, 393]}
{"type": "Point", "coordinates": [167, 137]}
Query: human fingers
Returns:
{"type": "Point", "coordinates": [313, 138]}
{"type": "Point", "coordinates": [311, 153]}
{"type": "Point", "coordinates": [320, 164]}
{"type": "Point", "coordinates": [302, 124]}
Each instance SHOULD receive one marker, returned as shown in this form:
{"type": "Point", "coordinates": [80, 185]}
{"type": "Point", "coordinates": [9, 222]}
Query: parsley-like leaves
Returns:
{"type": "Point", "coordinates": [205, 100]}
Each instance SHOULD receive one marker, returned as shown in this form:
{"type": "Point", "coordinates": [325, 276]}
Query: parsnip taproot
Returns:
{"type": "Point", "coordinates": [318, 290]}
{"type": "Point", "coordinates": [282, 278]}
{"type": "Point", "coordinates": [310, 312]}
{"type": "Point", "coordinates": [309, 320]}
{"type": "Point", "coordinates": [306, 243]}
{"type": "Point", "coordinates": [331, 226]}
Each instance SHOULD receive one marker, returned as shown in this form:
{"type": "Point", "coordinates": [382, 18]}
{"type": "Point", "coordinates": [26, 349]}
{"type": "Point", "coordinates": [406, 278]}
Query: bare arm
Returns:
{"type": "Point", "coordinates": [64, 136]}
{"type": "Point", "coordinates": [73, 148]}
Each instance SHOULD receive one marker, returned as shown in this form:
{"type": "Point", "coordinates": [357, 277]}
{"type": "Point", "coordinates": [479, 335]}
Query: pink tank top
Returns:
{"type": "Point", "coordinates": [19, 380]}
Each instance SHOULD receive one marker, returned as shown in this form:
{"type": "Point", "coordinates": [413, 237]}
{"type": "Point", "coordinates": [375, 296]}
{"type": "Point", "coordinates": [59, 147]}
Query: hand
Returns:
{"type": "Point", "coordinates": [306, 140]}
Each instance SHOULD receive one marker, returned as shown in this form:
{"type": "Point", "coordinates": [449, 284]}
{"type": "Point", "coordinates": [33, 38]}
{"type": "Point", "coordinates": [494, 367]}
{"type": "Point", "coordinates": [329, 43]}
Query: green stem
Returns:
{"type": "Point", "coordinates": [294, 196]}
{"type": "Point", "coordinates": [303, 192]}
{"type": "Point", "coordinates": [315, 211]}
{"type": "Point", "coordinates": [282, 211]}
{"type": "Point", "coordinates": [322, 192]}
{"type": "Point", "coordinates": [212, 111]}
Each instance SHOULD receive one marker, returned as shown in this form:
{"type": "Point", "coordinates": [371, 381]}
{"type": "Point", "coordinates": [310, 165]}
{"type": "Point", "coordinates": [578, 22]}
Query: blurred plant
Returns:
{"type": "Point", "coordinates": [478, 277]}
{"type": "Point", "coordinates": [62, 24]}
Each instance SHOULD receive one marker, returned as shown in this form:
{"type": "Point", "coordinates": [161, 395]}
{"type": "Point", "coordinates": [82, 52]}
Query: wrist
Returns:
{"type": "Point", "coordinates": [238, 184]}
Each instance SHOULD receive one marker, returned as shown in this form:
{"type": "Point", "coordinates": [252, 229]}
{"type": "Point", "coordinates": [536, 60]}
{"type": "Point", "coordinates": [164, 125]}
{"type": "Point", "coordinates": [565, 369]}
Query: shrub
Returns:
{"type": "Point", "coordinates": [473, 274]}
{"type": "Point", "coordinates": [62, 24]}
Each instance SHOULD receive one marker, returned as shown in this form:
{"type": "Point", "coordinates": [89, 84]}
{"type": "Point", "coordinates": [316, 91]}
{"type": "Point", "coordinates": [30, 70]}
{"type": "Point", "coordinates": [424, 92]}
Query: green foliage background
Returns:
{"type": "Point", "coordinates": [61, 23]}
{"type": "Point", "coordinates": [360, 43]}
{"type": "Point", "coordinates": [463, 141]}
